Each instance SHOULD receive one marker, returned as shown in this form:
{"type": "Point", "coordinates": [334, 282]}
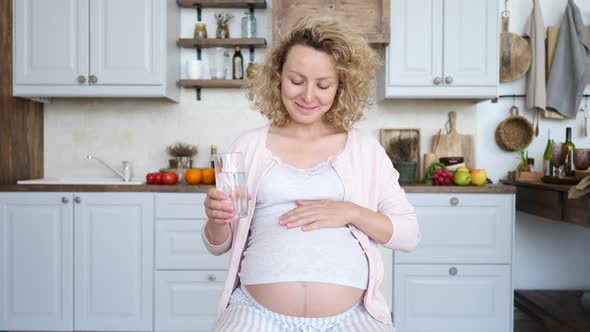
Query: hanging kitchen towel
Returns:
{"type": "Point", "coordinates": [569, 71]}
{"type": "Point", "coordinates": [536, 92]}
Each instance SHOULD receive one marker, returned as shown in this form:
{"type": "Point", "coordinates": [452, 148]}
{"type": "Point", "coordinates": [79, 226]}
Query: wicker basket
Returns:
{"type": "Point", "coordinates": [515, 132]}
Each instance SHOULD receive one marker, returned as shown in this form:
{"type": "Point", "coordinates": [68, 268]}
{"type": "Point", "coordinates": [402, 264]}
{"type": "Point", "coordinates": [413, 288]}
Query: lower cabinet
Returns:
{"type": "Point", "coordinates": [187, 300]}
{"type": "Point", "coordinates": [189, 280]}
{"type": "Point", "coordinates": [76, 261]}
{"type": "Point", "coordinates": [459, 279]}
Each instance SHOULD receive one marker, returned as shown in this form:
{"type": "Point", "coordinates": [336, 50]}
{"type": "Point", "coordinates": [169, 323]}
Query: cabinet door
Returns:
{"type": "Point", "coordinates": [126, 42]}
{"type": "Point", "coordinates": [462, 228]}
{"type": "Point", "coordinates": [50, 41]}
{"type": "Point", "coordinates": [114, 261]}
{"type": "Point", "coordinates": [414, 56]}
{"type": "Point", "coordinates": [447, 298]}
{"type": "Point", "coordinates": [471, 43]}
{"type": "Point", "coordinates": [36, 262]}
{"type": "Point", "coordinates": [187, 300]}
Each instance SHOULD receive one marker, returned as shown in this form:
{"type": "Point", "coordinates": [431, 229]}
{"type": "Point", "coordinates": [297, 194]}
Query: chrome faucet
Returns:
{"type": "Point", "coordinates": [126, 176]}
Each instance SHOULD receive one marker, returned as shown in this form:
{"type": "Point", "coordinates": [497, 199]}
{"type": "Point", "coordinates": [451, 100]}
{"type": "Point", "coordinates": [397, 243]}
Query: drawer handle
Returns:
{"type": "Point", "coordinates": [211, 277]}
{"type": "Point", "coordinates": [77, 199]}
{"type": "Point", "coordinates": [65, 200]}
{"type": "Point", "coordinates": [454, 201]}
{"type": "Point", "coordinates": [453, 271]}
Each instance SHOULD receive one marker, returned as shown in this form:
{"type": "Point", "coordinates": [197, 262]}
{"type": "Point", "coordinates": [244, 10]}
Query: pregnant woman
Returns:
{"type": "Point", "coordinates": [324, 196]}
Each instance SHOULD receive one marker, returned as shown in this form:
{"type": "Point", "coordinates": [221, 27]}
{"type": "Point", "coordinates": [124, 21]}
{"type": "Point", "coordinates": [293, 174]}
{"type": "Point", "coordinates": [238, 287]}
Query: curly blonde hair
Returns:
{"type": "Point", "coordinates": [356, 65]}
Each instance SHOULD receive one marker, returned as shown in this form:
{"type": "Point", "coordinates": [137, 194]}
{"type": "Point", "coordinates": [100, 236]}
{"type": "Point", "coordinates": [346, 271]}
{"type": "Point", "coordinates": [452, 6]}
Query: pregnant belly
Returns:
{"type": "Point", "coordinates": [306, 299]}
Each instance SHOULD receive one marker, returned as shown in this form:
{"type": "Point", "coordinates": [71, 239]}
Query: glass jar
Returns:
{"type": "Point", "coordinates": [222, 31]}
{"type": "Point", "coordinates": [217, 63]}
{"type": "Point", "coordinates": [248, 25]}
{"type": "Point", "coordinates": [200, 31]}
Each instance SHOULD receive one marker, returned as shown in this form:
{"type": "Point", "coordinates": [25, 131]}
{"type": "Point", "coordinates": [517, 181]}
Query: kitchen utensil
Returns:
{"type": "Point", "coordinates": [429, 158]}
{"type": "Point", "coordinates": [538, 114]}
{"type": "Point", "coordinates": [437, 140]}
{"type": "Point", "coordinates": [454, 144]}
{"type": "Point", "coordinates": [515, 52]}
{"type": "Point", "coordinates": [515, 132]}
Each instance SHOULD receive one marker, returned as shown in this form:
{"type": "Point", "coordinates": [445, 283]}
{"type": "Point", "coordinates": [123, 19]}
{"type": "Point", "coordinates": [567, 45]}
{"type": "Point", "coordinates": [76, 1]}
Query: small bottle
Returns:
{"type": "Point", "coordinates": [213, 153]}
{"type": "Point", "coordinates": [547, 161]}
{"type": "Point", "coordinates": [238, 65]}
{"type": "Point", "coordinates": [568, 166]}
{"type": "Point", "coordinates": [248, 25]}
{"type": "Point", "coordinates": [531, 162]}
{"type": "Point", "coordinates": [250, 70]}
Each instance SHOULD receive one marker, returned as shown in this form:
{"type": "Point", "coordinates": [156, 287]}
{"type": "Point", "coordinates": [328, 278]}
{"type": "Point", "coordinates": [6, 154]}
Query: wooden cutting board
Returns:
{"type": "Point", "coordinates": [454, 144]}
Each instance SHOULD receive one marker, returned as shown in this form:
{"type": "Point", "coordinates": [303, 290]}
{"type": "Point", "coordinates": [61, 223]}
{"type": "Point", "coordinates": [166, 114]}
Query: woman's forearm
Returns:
{"type": "Point", "coordinates": [217, 234]}
{"type": "Point", "coordinates": [376, 225]}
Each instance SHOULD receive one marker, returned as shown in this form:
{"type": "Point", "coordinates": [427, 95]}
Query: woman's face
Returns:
{"type": "Point", "coordinates": [309, 82]}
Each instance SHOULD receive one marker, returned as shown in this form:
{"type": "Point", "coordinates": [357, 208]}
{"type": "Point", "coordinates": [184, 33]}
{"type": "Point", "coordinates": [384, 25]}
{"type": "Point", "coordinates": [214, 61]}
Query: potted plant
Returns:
{"type": "Point", "coordinates": [403, 153]}
{"type": "Point", "coordinates": [181, 153]}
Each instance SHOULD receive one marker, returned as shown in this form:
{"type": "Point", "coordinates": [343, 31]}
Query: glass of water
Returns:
{"type": "Point", "coordinates": [230, 177]}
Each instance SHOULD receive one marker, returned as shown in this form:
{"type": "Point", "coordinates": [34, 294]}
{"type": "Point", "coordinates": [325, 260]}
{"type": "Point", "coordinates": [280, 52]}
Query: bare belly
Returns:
{"type": "Point", "coordinates": [306, 299]}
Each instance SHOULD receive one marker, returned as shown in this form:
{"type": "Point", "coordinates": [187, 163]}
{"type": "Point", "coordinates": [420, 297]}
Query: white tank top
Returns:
{"type": "Point", "coordinates": [277, 254]}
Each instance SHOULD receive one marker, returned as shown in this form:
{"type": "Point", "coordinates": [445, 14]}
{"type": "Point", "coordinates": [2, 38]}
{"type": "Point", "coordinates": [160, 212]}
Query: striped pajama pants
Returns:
{"type": "Point", "coordinates": [244, 314]}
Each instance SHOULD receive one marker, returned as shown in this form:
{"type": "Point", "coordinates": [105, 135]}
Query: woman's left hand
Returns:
{"type": "Point", "coordinates": [320, 214]}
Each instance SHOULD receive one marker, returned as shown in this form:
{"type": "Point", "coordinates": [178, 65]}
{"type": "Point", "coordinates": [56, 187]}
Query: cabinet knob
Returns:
{"type": "Point", "coordinates": [65, 200]}
{"type": "Point", "coordinates": [81, 79]}
{"type": "Point", "coordinates": [454, 201]}
{"type": "Point", "coordinates": [453, 271]}
{"type": "Point", "coordinates": [92, 79]}
{"type": "Point", "coordinates": [211, 277]}
{"type": "Point", "coordinates": [77, 199]}
{"type": "Point", "coordinates": [449, 80]}
{"type": "Point", "coordinates": [437, 80]}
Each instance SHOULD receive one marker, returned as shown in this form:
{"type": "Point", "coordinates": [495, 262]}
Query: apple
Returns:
{"type": "Point", "coordinates": [478, 177]}
{"type": "Point", "coordinates": [461, 178]}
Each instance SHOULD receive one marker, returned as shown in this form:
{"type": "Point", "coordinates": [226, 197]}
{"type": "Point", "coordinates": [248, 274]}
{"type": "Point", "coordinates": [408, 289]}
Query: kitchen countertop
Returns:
{"type": "Point", "coordinates": [183, 188]}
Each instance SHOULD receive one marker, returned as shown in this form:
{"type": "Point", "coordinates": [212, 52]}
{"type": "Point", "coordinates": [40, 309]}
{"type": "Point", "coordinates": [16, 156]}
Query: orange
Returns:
{"type": "Point", "coordinates": [193, 176]}
{"type": "Point", "coordinates": [208, 175]}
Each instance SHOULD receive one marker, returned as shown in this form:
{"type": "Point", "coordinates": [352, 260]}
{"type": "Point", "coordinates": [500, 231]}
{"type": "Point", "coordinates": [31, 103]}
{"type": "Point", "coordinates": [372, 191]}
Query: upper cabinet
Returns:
{"type": "Point", "coordinates": [98, 48]}
{"type": "Point", "coordinates": [441, 49]}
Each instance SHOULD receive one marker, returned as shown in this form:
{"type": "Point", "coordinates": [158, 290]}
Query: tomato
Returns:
{"type": "Point", "coordinates": [150, 178]}
{"type": "Point", "coordinates": [169, 178]}
{"type": "Point", "coordinates": [158, 177]}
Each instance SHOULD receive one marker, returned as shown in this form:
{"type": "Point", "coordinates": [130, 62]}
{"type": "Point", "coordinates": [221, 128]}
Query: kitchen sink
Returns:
{"type": "Point", "coordinates": [82, 181]}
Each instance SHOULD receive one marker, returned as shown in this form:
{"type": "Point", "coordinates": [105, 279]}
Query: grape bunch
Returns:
{"type": "Point", "coordinates": [442, 177]}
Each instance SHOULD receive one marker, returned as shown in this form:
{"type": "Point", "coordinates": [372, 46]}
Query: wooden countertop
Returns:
{"type": "Point", "coordinates": [538, 185]}
{"type": "Point", "coordinates": [183, 188]}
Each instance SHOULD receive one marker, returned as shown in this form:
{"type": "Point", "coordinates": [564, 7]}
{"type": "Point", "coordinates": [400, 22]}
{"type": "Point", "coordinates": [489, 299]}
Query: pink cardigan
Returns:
{"type": "Point", "coordinates": [369, 180]}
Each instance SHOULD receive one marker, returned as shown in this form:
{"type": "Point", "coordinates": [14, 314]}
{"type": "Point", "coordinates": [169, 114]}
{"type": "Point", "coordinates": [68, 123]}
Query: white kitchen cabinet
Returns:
{"type": "Point", "coordinates": [98, 48]}
{"type": "Point", "coordinates": [189, 280]}
{"type": "Point", "coordinates": [459, 278]}
{"type": "Point", "coordinates": [36, 262]}
{"type": "Point", "coordinates": [452, 297]}
{"type": "Point", "coordinates": [441, 49]}
{"type": "Point", "coordinates": [91, 249]}
{"type": "Point", "coordinates": [187, 300]}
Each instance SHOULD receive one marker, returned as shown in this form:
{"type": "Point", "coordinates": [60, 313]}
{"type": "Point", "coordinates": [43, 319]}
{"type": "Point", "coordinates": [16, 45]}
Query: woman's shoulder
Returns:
{"type": "Point", "coordinates": [249, 137]}
{"type": "Point", "coordinates": [362, 139]}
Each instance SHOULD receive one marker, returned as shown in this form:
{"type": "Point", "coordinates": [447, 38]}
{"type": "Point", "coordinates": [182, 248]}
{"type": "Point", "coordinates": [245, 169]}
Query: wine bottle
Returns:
{"type": "Point", "coordinates": [568, 167]}
{"type": "Point", "coordinates": [212, 158]}
{"type": "Point", "coordinates": [238, 65]}
{"type": "Point", "coordinates": [547, 161]}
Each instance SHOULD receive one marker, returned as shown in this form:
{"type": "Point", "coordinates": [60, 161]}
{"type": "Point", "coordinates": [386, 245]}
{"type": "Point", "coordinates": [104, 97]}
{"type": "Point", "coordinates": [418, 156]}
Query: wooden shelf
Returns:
{"type": "Point", "coordinates": [222, 3]}
{"type": "Point", "coordinates": [219, 84]}
{"type": "Point", "coordinates": [219, 42]}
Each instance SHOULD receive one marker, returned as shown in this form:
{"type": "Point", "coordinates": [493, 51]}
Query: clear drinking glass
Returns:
{"type": "Point", "coordinates": [230, 177]}
{"type": "Point", "coordinates": [217, 63]}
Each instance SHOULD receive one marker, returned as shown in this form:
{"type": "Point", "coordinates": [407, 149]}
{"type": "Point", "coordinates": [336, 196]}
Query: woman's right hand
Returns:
{"type": "Point", "coordinates": [219, 211]}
